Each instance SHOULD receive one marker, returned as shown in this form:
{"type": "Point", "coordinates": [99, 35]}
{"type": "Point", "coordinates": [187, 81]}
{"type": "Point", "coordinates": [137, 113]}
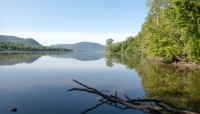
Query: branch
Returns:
{"type": "Point", "coordinates": [159, 106]}
{"type": "Point", "coordinates": [90, 109]}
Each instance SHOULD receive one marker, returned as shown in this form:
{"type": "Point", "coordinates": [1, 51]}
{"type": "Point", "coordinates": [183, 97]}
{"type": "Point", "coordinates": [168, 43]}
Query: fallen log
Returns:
{"type": "Point", "coordinates": [146, 105]}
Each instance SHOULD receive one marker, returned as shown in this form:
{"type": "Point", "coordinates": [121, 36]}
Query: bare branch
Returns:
{"type": "Point", "coordinates": [159, 105]}
{"type": "Point", "coordinates": [90, 109]}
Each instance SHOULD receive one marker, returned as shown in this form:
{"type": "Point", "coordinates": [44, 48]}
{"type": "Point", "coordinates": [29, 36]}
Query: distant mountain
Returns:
{"type": "Point", "coordinates": [14, 39]}
{"type": "Point", "coordinates": [82, 46]}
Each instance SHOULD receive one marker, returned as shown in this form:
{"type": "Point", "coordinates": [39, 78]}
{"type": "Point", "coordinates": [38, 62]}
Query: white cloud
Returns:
{"type": "Point", "coordinates": [49, 38]}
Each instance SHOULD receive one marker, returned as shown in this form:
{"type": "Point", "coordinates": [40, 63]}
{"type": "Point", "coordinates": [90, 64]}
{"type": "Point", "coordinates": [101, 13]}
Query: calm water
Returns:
{"type": "Point", "coordinates": [37, 83]}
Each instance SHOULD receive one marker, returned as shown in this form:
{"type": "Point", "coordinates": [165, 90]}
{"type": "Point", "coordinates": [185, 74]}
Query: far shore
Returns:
{"type": "Point", "coordinates": [33, 51]}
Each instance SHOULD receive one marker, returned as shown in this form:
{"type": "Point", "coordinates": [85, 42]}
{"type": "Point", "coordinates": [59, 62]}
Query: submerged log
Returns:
{"type": "Point", "coordinates": [146, 105]}
{"type": "Point", "coordinates": [14, 110]}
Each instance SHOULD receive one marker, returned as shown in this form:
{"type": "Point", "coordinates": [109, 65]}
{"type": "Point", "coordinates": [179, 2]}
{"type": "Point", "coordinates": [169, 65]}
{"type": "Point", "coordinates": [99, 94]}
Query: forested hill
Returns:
{"type": "Point", "coordinates": [12, 43]}
{"type": "Point", "coordinates": [82, 46]}
{"type": "Point", "coordinates": [171, 31]}
{"type": "Point", "coordinates": [14, 39]}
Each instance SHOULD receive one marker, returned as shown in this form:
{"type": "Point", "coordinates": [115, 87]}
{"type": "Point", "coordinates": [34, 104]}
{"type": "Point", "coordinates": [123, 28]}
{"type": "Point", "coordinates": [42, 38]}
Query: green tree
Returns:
{"type": "Point", "coordinates": [171, 31]}
{"type": "Point", "coordinates": [109, 41]}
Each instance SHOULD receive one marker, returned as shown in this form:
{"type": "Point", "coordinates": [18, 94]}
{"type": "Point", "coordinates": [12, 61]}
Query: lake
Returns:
{"type": "Point", "coordinates": [37, 82]}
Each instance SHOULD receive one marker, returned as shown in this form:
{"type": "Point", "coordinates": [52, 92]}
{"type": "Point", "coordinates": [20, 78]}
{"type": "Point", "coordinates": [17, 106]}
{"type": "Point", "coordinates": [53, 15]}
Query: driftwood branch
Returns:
{"type": "Point", "coordinates": [151, 105]}
{"type": "Point", "coordinates": [90, 109]}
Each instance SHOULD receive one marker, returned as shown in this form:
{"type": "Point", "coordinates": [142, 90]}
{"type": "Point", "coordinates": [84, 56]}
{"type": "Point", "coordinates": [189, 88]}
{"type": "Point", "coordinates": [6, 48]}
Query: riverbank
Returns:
{"type": "Point", "coordinates": [187, 65]}
{"type": "Point", "coordinates": [179, 65]}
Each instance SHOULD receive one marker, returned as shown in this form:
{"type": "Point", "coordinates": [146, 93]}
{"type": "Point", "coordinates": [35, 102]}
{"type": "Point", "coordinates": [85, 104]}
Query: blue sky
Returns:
{"type": "Point", "coordinates": [71, 21]}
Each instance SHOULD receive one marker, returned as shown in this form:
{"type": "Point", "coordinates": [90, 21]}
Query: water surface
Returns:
{"type": "Point", "coordinates": [37, 82]}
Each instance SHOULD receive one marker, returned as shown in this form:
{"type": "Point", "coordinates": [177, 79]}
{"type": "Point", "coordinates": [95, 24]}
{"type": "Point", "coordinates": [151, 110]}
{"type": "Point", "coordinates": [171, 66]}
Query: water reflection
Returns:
{"type": "Point", "coordinates": [12, 58]}
{"type": "Point", "coordinates": [15, 58]}
{"type": "Point", "coordinates": [41, 86]}
{"type": "Point", "coordinates": [82, 56]}
{"type": "Point", "coordinates": [164, 81]}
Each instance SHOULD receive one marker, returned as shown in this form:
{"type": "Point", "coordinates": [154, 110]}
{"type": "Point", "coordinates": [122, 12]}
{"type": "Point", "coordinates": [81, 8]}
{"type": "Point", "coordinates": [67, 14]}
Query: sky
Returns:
{"type": "Point", "coordinates": [71, 21]}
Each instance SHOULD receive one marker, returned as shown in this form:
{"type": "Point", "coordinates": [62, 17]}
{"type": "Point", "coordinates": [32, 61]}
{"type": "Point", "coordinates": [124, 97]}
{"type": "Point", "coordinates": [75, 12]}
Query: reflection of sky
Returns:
{"type": "Point", "coordinates": [55, 71]}
{"type": "Point", "coordinates": [49, 78]}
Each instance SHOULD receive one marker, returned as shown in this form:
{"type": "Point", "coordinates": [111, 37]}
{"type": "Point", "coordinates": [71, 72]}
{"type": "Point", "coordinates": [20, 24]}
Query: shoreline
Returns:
{"type": "Point", "coordinates": [187, 65]}
{"type": "Point", "coordinates": [180, 65]}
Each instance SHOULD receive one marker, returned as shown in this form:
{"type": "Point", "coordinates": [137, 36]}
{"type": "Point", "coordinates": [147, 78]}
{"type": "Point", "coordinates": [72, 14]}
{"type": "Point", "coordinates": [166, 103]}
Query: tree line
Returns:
{"type": "Point", "coordinates": [9, 46]}
{"type": "Point", "coordinates": [171, 31]}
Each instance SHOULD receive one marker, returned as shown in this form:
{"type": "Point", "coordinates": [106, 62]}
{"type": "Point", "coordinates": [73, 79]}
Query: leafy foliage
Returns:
{"type": "Point", "coordinates": [128, 46]}
{"type": "Point", "coordinates": [171, 31]}
{"type": "Point", "coordinates": [109, 41]}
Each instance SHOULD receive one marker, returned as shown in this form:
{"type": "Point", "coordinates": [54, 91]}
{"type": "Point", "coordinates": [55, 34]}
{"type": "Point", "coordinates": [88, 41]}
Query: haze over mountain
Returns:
{"type": "Point", "coordinates": [82, 46]}
{"type": "Point", "coordinates": [14, 39]}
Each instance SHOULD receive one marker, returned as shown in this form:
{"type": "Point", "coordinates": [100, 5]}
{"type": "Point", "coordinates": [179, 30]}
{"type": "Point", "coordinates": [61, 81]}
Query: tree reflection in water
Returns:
{"type": "Point", "coordinates": [145, 105]}
{"type": "Point", "coordinates": [159, 80]}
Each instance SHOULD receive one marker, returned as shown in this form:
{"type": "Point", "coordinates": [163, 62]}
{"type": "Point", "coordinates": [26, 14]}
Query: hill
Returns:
{"type": "Point", "coordinates": [14, 39]}
{"type": "Point", "coordinates": [9, 46]}
{"type": "Point", "coordinates": [13, 43]}
{"type": "Point", "coordinates": [82, 46]}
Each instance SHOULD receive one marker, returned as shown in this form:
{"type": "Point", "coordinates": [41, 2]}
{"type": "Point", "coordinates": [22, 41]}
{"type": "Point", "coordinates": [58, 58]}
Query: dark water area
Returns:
{"type": "Point", "coordinates": [37, 82]}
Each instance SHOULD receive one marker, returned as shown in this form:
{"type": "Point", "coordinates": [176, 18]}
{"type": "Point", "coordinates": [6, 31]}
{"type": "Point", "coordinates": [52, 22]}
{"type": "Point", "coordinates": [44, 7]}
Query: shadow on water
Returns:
{"type": "Point", "coordinates": [181, 87]}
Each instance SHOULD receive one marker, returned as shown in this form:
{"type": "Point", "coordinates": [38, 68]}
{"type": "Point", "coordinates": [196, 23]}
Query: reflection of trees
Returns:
{"type": "Point", "coordinates": [109, 64]}
{"type": "Point", "coordinates": [180, 87]}
{"type": "Point", "coordinates": [158, 106]}
{"type": "Point", "coordinates": [12, 58]}
{"type": "Point", "coordinates": [164, 81]}
{"type": "Point", "coordinates": [129, 60]}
